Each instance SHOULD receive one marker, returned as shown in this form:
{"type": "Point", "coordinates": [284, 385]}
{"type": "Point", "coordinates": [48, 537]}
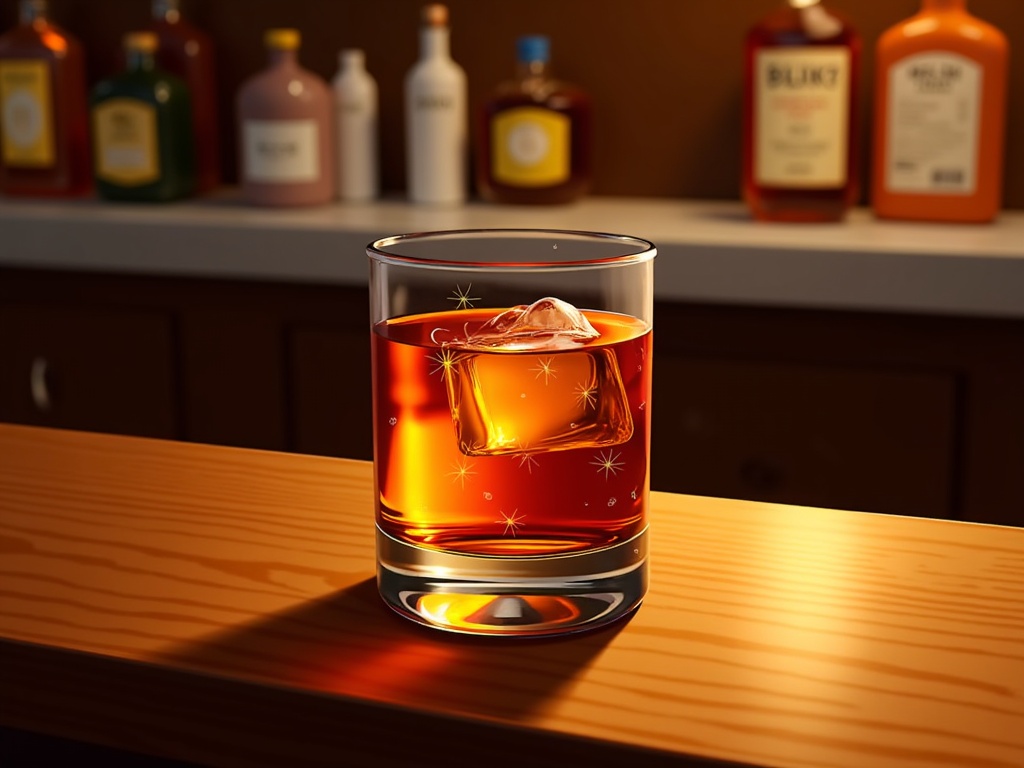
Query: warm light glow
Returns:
{"type": "Point", "coordinates": [55, 42]}
{"type": "Point", "coordinates": [465, 612]}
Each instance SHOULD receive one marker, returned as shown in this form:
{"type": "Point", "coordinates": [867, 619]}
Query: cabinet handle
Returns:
{"type": "Point", "coordinates": [37, 384]}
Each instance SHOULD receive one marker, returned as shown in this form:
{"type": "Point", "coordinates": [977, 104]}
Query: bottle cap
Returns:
{"type": "Point", "coordinates": [353, 58]}
{"type": "Point", "coordinates": [282, 39]}
{"type": "Point", "coordinates": [533, 48]}
{"type": "Point", "coordinates": [435, 15]}
{"type": "Point", "coordinates": [143, 42]}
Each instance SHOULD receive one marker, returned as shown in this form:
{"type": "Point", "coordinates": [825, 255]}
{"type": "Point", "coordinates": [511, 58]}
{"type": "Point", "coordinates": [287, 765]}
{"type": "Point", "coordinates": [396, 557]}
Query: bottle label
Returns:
{"type": "Point", "coordinates": [802, 112]}
{"type": "Point", "coordinates": [125, 138]}
{"type": "Point", "coordinates": [531, 147]}
{"type": "Point", "coordinates": [26, 118]}
{"type": "Point", "coordinates": [934, 115]}
{"type": "Point", "coordinates": [281, 151]}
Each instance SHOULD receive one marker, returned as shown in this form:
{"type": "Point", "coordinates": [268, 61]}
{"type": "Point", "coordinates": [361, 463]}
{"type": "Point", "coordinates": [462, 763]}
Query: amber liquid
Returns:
{"type": "Point", "coordinates": [794, 204]}
{"type": "Point", "coordinates": [509, 452]}
{"type": "Point", "coordinates": [71, 172]}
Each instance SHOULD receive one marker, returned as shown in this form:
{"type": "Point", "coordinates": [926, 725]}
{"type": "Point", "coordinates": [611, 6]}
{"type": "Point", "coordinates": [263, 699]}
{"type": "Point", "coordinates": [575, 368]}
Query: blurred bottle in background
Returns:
{"type": "Point", "coordinates": [44, 112]}
{"type": "Point", "coordinates": [142, 129]}
{"type": "Point", "coordinates": [355, 124]}
{"type": "Point", "coordinates": [286, 130]}
{"type": "Point", "coordinates": [799, 136]}
{"type": "Point", "coordinates": [436, 118]}
{"type": "Point", "coordinates": [940, 116]}
{"type": "Point", "coordinates": [534, 139]}
{"type": "Point", "coordinates": [187, 53]}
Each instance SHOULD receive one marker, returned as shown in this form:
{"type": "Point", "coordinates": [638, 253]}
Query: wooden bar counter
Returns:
{"type": "Point", "coordinates": [218, 606]}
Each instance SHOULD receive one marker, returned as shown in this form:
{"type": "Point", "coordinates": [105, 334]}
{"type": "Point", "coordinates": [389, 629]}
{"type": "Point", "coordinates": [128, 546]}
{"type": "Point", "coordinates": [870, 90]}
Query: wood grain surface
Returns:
{"type": "Point", "coordinates": [218, 605]}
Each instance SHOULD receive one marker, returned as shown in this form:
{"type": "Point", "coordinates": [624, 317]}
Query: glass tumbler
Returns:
{"type": "Point", "coordinates": [511, 420]}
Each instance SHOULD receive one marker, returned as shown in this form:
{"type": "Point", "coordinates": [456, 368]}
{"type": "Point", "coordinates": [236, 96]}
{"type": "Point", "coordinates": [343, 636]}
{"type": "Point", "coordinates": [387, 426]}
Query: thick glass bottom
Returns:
{"type": "Point", "coordinates": [512, 596]}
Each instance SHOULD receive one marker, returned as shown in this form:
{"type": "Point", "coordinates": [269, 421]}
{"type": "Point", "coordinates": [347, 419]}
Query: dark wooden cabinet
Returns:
{"type": "Point", "coordinates": [866, 411]}
{"type": "Point", "coordinates": [89, 368]}
{"type": "Point", "coordinates": [852, 438]}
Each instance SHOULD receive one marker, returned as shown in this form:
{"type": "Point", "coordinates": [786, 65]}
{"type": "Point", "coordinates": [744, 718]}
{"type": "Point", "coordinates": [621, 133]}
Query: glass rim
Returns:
{"type": "Point", "coordinates": [645, 249]}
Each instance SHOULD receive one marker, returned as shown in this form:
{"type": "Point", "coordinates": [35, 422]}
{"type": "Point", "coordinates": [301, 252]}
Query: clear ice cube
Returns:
{"type": "Point", "coordinates": [527, 403]}
{"type": "Point", "coordinates": [547, 324]}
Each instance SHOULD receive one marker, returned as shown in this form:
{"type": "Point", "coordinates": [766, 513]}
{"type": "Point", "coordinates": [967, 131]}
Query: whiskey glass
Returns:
{"type": "Point", "coordinates": [511, 420]}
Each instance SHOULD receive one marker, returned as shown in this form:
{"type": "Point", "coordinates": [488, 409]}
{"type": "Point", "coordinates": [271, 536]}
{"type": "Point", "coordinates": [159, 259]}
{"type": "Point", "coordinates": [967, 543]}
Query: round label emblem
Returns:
{"type": "Point", "coordinates": [528, 143]}
{"type": "Point", "coordinates": [23, 119]}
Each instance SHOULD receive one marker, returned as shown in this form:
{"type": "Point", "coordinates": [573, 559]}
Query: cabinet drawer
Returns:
{"type": "Point", "coordinates": [85, 368]}
{"type": "Point", "coordinates": [847, 438]}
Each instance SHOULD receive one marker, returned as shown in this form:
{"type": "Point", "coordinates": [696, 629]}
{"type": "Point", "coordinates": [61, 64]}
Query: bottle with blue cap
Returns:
{"type": "Point", "coordinates": [534, 135]}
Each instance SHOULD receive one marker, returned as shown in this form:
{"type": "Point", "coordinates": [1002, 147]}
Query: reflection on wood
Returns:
{"type": "Point", "coordinates": [218, 605]}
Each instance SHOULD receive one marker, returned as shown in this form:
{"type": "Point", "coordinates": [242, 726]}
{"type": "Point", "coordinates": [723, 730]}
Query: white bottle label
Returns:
{"type": "Point", "coordinates": [281, 151]}
{"type": "Point", "coordinates": [438, 143]}
{"type": "Point", "coordinates": [801, 114]}
{"type": "Point", "coordinates": [934, 113]}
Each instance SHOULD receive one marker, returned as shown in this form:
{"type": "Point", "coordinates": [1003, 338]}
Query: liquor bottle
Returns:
{"type": "Point", "coordinates": [800, 88]}
{"type": "Point", "coordinates": [355, 101]}
{"type": "Point", "coordinates": [187, 52]}
{"type": "Point", "coordinates": [286, 130]}
{"type": "Point", "coordinates": [44, 108]}
{"type": "Point", "coordinates": [940, 115]}
{"type": "Point", "coordinates": [436, 127]}
{"type": "Point", "coordinates": [534, 135]}
{"type": "Point", "coordinates": [142, 129]}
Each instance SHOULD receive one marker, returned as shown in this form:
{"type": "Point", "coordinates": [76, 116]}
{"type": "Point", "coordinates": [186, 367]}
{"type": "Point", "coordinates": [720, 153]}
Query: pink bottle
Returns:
{"type": "Point", "coordinates": [285, 138]}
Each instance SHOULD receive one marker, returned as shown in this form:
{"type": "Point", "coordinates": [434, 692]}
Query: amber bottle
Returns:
{"type": "Point", "coordinates": [44, 113]}
{"type": "Point", "coordinates": [534, 135]}
{"type": "Point", "coordinates": [800, 96]}
{"type": "Point", "coordinates": [940, 115]}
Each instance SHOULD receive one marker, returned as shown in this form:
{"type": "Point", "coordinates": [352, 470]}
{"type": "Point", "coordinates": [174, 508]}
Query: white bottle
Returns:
{"type": "Point", "coordinates": [355, 103]}
{"type": "Point", "coordinates": [436, 125]}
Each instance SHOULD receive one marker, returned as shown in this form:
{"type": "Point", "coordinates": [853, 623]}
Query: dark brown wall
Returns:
{"type": "Point", "coordinates": [665, 74]}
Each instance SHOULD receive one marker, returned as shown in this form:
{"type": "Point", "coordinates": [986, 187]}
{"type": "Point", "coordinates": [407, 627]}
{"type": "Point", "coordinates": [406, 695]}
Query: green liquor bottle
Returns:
{"type": "Point", "coordinates": [142, 130]}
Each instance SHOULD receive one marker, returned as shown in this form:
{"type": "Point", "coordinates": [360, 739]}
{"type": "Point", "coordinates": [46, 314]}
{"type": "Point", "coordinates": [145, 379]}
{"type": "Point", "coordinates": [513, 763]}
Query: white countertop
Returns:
{"type": "Point", "coordinates": [708, 251]}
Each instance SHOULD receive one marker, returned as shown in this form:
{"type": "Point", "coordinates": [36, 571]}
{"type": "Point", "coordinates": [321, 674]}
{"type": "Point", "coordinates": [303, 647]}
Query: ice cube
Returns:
{"type": "Point", "coordinates": [548, 323]}
{"type": "Point", "coordinates": [528, 403]}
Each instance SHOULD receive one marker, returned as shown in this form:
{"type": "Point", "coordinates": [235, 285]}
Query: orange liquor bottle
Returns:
{"type": "Point", "coordinates": [44, 113]}
{"type": "Point", "coordinates": [799, 139]}
{"type": "Point", "coordinates": [940, 115]}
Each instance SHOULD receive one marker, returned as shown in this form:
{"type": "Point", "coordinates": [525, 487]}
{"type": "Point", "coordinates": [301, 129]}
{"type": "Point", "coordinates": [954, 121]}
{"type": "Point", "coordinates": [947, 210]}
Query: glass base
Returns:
{"type": "Point", "coordinates": [512, 596]}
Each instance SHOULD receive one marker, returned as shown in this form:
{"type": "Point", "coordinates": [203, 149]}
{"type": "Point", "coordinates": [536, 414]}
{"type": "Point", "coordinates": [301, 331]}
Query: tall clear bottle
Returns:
{"type": "Point", "coordinates": [187, 52]}
{"type": "Point", "coordinates": [534, 138]}
{"type": "Point", "coordinates": [44, 108]}
{"type": "Point", "coordinates": [437, 127]}
{"type": "Point", "coordinates": [142, 129]}
{"type": "Point", "coordinates": [799, 130]}
{"type": "Point", "coordinates": [940, 116]}
{"type": "Point", "coordinates": [355, 101]}
{"type": "Point", "coordinates": [286, 130]}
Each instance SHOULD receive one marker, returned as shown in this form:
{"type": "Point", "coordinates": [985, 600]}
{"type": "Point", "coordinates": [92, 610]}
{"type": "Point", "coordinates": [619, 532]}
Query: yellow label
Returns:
{"type": "Point", "coordinates": [124, 135]}
{"type": "Point", "coordinates": [530, 147]}
{"type": "Point", "coordinates": [26, 113]}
